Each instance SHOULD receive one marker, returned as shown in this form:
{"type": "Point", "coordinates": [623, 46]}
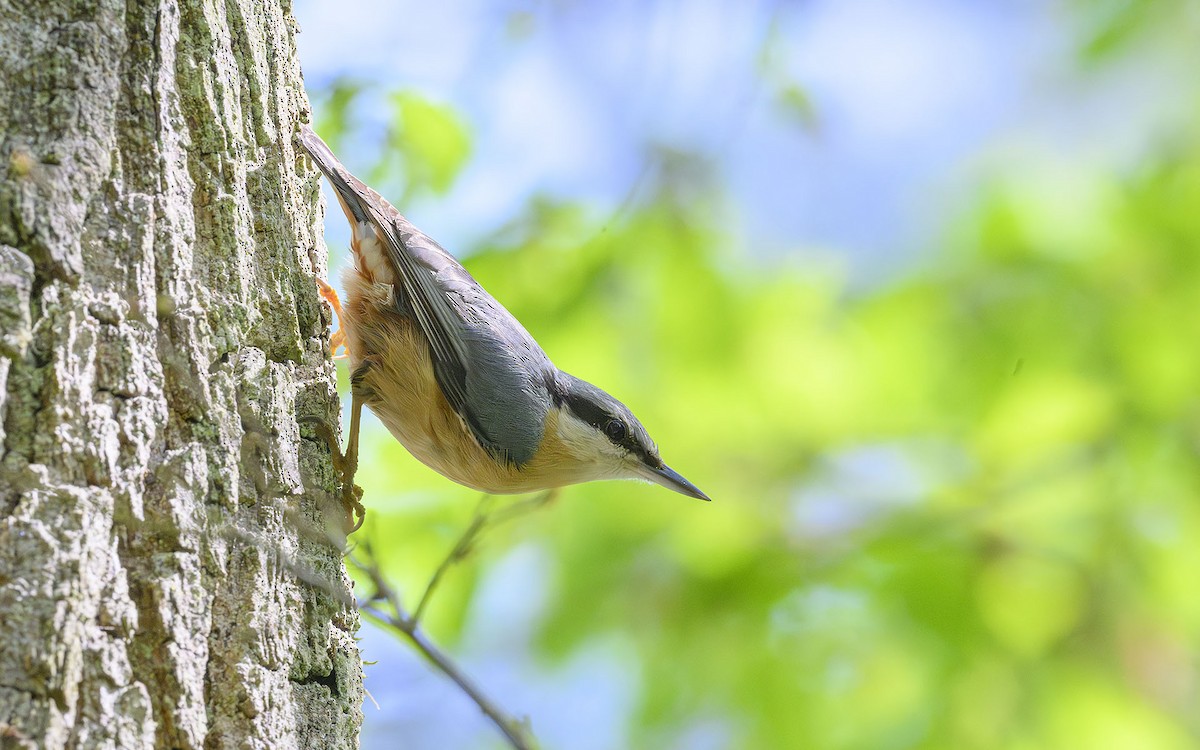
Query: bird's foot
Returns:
{"type": "Point", "coordinates": [338, 338]}
{"type": "Point", "coordinates": [352, 507]}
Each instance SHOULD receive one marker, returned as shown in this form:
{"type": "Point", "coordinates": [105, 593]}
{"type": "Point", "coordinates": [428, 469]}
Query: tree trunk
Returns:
{"type": "Point", "coordinates": [165, 577]}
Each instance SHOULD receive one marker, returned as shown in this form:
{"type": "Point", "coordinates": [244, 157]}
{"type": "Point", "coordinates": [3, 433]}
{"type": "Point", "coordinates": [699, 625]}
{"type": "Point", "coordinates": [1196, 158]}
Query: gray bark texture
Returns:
{"type": "Point", "coordinates": [166, 578]}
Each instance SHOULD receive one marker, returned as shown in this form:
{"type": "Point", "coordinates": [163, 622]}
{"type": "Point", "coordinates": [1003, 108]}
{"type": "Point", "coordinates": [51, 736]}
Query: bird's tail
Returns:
{"type": "Point", "coordinates": [350, 190]}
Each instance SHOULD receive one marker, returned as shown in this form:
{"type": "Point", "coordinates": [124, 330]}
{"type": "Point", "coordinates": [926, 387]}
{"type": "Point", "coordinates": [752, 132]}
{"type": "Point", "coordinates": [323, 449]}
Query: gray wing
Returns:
{"type": "Point", "coordinates": [490, 369]}
{"type": "Point", "coordinates": [488, 366]}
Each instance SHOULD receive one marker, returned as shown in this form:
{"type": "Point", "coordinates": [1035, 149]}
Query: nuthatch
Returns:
{"type": "Point", "coordinates": [453, 375]}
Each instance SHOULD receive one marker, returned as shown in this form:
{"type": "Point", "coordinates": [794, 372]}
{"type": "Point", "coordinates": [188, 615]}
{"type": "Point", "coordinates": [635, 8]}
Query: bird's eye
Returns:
{"type": "Point", "coordinates": [615, 429]}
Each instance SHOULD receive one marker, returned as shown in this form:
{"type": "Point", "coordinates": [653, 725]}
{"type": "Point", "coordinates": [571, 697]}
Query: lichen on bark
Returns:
{"type": "Point", "coordinates": [165, 576]}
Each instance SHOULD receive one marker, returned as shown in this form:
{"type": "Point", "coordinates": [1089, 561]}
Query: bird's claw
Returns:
{"type": "Point", "coordinates": [337, 339]}
{"type": "Point", "coordinates": [353, 507]}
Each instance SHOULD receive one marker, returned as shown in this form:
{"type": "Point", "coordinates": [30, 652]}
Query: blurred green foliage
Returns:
{"type": "Point", "coordinates": [955, 510]}
{"type": "Point", "coordinates": [432, 140]}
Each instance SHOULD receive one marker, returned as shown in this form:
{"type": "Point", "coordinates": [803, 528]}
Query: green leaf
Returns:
{"type": "Point", "coordinates": [434, 141]}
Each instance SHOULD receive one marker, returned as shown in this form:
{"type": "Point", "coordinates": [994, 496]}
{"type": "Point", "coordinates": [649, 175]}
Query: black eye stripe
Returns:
{"type": "Point", "coordinates": [587, 411]}
{"type": "Point", "coordinates": [613, 427]}
{"type": "Point", "coordinates": [591, 405]}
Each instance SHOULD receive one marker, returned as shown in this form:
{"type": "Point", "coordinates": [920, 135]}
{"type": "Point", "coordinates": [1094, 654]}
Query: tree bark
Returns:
{"type": "Point", "coordinates": [165, 577]}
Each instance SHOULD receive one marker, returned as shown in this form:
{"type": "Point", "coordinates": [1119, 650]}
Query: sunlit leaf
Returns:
{"type": "Point", "coordinates": [433, 139]}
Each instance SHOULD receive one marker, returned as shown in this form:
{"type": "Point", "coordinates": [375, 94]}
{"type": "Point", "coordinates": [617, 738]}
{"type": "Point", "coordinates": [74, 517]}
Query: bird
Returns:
{"type": "Point", "coordinates": [453, 375]}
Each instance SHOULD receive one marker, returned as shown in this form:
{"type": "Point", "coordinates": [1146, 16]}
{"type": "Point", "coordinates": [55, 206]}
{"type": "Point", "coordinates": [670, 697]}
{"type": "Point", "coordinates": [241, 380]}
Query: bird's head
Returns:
{"type": "Point", "coordinates": [604, 438]}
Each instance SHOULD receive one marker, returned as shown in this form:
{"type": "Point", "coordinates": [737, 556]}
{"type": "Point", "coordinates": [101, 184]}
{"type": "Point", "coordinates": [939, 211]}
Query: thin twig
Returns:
{"type": "Point", "coordinates": [399, 621]}
{"type": "Point", "coordinates": [521, 507]}
{"type": "Point", "coordinates": [513, 730]}
{"type": "Point", "coordinates": [483, 519]}
{"type": "Point", "coordinates": [461, 548]}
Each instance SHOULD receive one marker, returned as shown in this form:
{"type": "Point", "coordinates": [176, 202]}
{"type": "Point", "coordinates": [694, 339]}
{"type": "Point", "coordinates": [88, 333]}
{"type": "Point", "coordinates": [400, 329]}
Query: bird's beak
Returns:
{"type": "Point", "coordinates": [672, 480]}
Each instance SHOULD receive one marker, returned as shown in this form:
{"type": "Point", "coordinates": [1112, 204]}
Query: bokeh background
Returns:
{"type": "Point", "coordinates": [910, 288]}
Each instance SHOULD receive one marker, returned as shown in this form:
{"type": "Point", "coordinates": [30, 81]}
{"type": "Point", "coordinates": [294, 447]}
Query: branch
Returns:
{"type": "Point", "coordinates": [397, 619]}
{"type": "Point", "coordinates": [483, 519]}
{"type": "Point", "coordinates": [516, 732]}
{"type": "Point", "coordinates": [460, 550]}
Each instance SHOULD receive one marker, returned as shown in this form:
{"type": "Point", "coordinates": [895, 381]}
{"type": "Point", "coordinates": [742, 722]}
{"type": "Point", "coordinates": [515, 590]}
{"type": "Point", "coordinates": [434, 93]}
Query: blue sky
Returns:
{"type": "Point", "coordinates": [909, 98]}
